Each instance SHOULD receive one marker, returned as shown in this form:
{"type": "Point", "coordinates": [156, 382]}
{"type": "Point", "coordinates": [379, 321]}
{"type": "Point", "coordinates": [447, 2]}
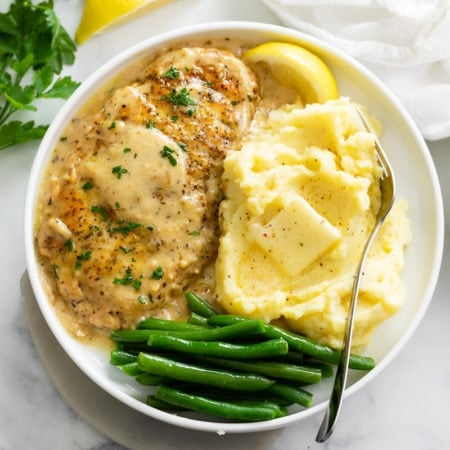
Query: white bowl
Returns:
{"type": "Point", "coordinates": [417, 183]}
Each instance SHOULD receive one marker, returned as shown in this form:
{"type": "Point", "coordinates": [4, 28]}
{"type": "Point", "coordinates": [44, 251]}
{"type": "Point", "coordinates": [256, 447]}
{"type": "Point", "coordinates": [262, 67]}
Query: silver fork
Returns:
{"type": "Point", "coordinates": [387, 188]}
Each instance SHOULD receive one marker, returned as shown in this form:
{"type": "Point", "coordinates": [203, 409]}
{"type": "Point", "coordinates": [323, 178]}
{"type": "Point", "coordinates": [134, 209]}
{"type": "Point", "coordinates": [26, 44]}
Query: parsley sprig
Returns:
{"type": "Point", "coordinates": [179, 98]}
{"type": "Point", "coordinates": [34, 47]}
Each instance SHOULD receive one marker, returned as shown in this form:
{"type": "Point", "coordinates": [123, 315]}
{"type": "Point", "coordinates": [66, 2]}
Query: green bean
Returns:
{"type": "Point", "coordinates": [290, 357]}
{"type": "Point", "coordinates": [182, 371]}
{"type": "Point", "coordinates": [225, 394]}
{"type": "Point", "coordinates": [197, 319]}
{"type": "Point", "coordinates": [198, 305]}
{"type": "Point", "coordinates": [272, 347]}
{"type": "Point", "coordinates": [241, 329]}
{"type": "Point", "coordinates": [131, 347]}
{"type": "Point", "coordinates": [148, 379]}
{"type": "Point", "coordinates": [153, 323]}
{"type": "Point", "coordinates": [280, 411]}
{"type": "Point", "coordinates": [204, 364]}
{"type": "Point", "coordinates": [319, 351]}
{"type": "Point", "coordinates": [130, 336]}
{"type": "Point", "coordinates": [300, 343]}
{"type": "Point", "coordinates": [228, 410]}
{"type": "Point", "coordinates": [131, 368]}
{"type": "Point", "coordinates": [120, 357]}
{"type": "Point", "coordinates": [163, 406]}
{"type": "Point", "coordinates": [326, 369]}
{"type": "Point", "coordinates": [271, 369]}
{"type": "Point", "coordinates": [291, 393]}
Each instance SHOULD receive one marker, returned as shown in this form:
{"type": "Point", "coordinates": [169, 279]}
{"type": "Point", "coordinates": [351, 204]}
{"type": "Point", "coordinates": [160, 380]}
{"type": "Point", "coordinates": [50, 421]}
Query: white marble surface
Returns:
{"type": "Point", "coordinates": [404, 407]}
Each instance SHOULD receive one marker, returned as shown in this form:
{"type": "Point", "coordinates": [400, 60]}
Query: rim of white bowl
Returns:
{"type": "Point", "coordinates": [75, 101]}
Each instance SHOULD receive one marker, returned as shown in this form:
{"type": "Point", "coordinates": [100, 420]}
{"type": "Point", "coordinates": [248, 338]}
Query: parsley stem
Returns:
{"type": "Point", "coordinates": [4, 113]}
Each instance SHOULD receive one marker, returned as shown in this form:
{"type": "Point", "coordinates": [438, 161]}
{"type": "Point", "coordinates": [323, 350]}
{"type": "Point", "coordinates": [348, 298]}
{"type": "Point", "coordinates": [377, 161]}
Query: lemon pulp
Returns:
{"type": "Point", "coordinates": [101, 14]}
{"type": "Point", "coordinates": [297, 67]}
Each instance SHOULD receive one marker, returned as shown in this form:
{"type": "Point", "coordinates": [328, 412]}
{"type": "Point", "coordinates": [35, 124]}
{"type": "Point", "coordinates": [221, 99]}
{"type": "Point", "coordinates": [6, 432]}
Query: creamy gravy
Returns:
{"type": "Point", "coordinates": [127, 218]}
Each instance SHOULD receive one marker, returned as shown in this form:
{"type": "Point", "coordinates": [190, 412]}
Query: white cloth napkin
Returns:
{"type": "Point", "coordinates": [406, 43]}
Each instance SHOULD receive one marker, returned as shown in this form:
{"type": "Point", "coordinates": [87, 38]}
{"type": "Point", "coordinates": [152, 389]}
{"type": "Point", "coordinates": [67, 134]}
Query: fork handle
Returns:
{"type": "Point", "coordinates": [340, 380]}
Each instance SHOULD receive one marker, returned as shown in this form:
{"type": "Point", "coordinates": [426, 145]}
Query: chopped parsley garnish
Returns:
{"type": "Point", "coordinates": [182, 145]}
{"type": "Point", "coordinates": [117, 205]}
{"type": "Point", "coordinates": [234, 102]}
{"type": "Point", "coordinates": [137, 284]}
{"type": "Point", "coordinates": [142, 299]}
{"type": "Point", "coordinates": [85, 256]}
{"type": "Point", "coordinates": [179, 98]}
{"type": "Point", "coordinates": [174, 118]}
{"type": "Point", "coordinates": [69, 245]}
{"type": "Point", "coordinates": [126, 279]}
{"type": "Point", "coordinates": [168, 153]}
{"type": "Point", "coordinates": [127, 150]}
{"type": "Point", "coordinates": [157, 274]}
{"type": "Point", "coordinates": [88, 185]}
{"type": "Point", "coordinates": [101, 211]}
{"type": "Point", "coordinates": [150, 124]}
{"type": "Point", "coordinates": [172, 73]}
{"type": "Point", "coordinates": [113, 125]}
{"type": "Point", "coordinates": [119, 171]}
{"type": "Point", "coordinates": [194, 233]}
{"type": "Point", "coordinates": [124, 228]}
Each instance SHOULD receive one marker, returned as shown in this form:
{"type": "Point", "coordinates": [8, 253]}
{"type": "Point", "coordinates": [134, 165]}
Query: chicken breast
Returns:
{"type": "Point", "coordinates": [128, 216]}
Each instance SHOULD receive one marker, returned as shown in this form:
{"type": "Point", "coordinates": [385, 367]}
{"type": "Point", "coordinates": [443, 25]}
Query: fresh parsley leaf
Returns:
{"type": "Point", "coordinates": [61, 88]}
{"type": "Point", "coordinates": [42, 79]}
{"type": "Point", "coordinates": [16, 132]}
{"type": "Point", "coordinates": [34, 47]}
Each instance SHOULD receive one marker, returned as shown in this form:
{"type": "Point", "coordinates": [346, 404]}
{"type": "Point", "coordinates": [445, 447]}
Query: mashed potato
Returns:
{"type": "Point", "coordinates": [301, 198]}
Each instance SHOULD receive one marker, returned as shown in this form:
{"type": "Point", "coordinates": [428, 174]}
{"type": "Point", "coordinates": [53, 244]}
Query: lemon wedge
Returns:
{"type": "Point", "coordinates": [297, 67]}
{"type": "Point", "coordinates": [99, 15]}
